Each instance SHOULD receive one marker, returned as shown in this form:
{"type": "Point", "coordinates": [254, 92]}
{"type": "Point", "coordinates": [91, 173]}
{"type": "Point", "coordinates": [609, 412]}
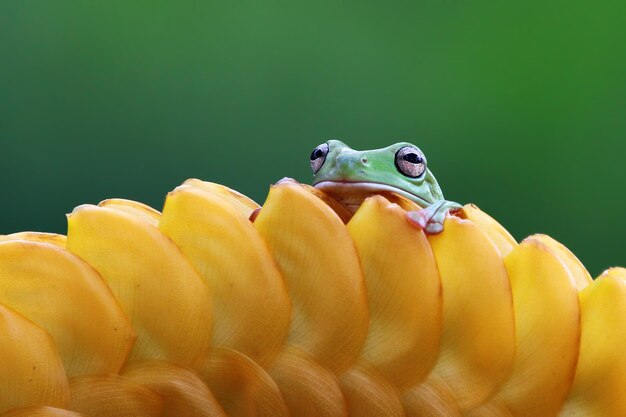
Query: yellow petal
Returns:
{"type": "Point", "coordinates": [31, 372]}
{"type": "Point", "coordinates": [320, 265]}
{"type": "Point", "coordinates": [599, 387]}
{"type": "Point", "coordinates": [113, 396]}
{"type": "Point", "coordinates": [251, 307]}
{"type": "Point", "coordinates": [242, 204]}
{"type": "Point", "coordinates": [368, 393]}
{"type": "Point", "coordinates": [183, 393]}
{"type": "Point", "coordinates": [478, 340]}
{"type": "Point", "coordinates": [498, 234]}
{"type": "Point", "coordinates": [52, 238]}
{"type": "Point", "coordinates": [403, 290]}
{"type": "Point", "coordinates": [242, 387]}
{"type": "Point", "coordinates": [547, 331]}
{"type": "Point", "coordinates": [575, 267]}
{"type": "Point", "coordinates": [135, 208]}
{"type": "Point", "coordinates": [309, 389]}
{"type": "Point", "coordinates": [65, 296]}
{"type": "Point", "coordinates": [168, 304]}
{"type": "Point", "coordinates": [40, 412]}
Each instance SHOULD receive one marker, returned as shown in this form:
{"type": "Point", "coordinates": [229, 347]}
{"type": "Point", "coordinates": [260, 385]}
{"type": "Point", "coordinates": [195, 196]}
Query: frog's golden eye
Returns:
{"type": "Point", "coordinates": [318, 156]}
{"type": "Point", "coordinates": [410, 161]}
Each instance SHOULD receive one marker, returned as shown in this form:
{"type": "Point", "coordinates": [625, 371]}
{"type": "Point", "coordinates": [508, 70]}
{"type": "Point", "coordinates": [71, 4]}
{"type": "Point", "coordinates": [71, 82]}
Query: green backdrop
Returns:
{"type": "Point", "coordinates": [519, 106]}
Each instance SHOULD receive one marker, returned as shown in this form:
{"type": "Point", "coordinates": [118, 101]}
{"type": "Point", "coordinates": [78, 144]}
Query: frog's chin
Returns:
{"type": "Point", "coordinates": [352, 194]}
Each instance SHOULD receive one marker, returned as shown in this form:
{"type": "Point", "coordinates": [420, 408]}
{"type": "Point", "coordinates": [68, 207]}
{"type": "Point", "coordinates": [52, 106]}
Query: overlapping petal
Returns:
{"type": "Point", "coordinates": [478, 339]}
{"type": "Point", "coordinates": [183, 393]}
{"type": "Point", "coordinates": [302, 308]}
{"type": "Point", "coordinates": [487, 224]}
{"type": "Point", "coordinates": [134, 208]}
{"type": "Point", "coordinates": [240, 203]}
{"type": "Point", "coordinates": [50, 286]}
{"type": "Point", "coordinates": [41, 411]}
{"type": "Point", "coordinates": [321, 268]}
{"type": "Point", "coordinates": [579, 274]}
{"type": "Point", "coordinates": [165, 299]}
{"type": "Point", "coordinates": [369, 394]}
{"type": "Point", "coordinates": [52, 238]}
{"type": "Point", "coordinates": [403, 291]}
{"type": "Point", "coordinates": [309, 389]}
{"type": "Point", "coordinates": [113, 396]}
{"type": "Point", "coordinates": [599, 387]}
{"type": "Point", "coordinates": [547, 331]}
{"type": "Point", "coordinates": [242, 387]}
{"type": "Point", "coordinates": [31, 371]}
{"type": "Point", "coordinates": [251, 307]}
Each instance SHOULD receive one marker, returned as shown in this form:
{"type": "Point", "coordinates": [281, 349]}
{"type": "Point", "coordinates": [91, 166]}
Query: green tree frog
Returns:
{"type": "Point", "coordinates": [349, 176]}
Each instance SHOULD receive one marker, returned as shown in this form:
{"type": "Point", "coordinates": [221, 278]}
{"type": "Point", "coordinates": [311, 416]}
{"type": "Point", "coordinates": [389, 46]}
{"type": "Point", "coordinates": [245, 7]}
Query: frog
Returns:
{"type": "Point", "coordinates": [350, 175]}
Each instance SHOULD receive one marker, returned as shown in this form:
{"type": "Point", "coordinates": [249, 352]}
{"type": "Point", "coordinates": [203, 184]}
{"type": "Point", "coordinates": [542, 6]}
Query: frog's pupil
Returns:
{"type": "Point", "coordinates": [317, 153]}
{"type": "Point", "coordinates": [412, 158]}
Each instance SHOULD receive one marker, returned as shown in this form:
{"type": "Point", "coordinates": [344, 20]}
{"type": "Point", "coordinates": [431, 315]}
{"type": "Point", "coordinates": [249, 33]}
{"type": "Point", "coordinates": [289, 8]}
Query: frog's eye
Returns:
{"type": "Point", "coordinates": [410, 161]}
{"type": "Point", "coordinates": [318, 156]}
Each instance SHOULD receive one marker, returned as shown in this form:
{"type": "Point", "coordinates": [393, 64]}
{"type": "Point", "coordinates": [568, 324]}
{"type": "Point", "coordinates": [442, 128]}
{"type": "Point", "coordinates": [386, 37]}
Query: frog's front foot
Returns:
{"type": "Point", "coordinates": [431, 218]}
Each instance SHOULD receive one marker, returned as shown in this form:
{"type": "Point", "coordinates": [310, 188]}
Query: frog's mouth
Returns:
{"type": "Point", "coordinates": [351, 194]}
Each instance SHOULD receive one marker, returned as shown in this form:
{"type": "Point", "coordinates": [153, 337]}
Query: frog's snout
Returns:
{"type": "Point", "coordinates": [348, 166]}
{"type": "Point", "coordinates": [361, 165]}
{"type": "Point", "coordinates": [350, 163]}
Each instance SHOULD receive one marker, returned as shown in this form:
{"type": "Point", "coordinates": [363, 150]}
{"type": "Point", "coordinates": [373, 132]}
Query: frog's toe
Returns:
{"type": "Point", "coordinates": [451, 206]}
{"type": "Point", "coordinates": [432, 217]}
{"type": "Point", "coordinates": [418, 218]}
{"type": "Point", "coordinates": [425, 221]}
{"type": "Point", "coordinates": [434, 228]}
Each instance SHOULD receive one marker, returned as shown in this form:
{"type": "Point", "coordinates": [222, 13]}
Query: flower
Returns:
{"type": "Point", "coordinates": [305, 310]}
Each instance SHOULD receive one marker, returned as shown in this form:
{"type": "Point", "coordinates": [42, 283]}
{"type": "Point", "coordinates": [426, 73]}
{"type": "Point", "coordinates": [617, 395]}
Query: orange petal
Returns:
{"type": "Point", "coordinates": [252, 309]}
{"type": "Point", "coordinates": [113, 396]}
{"type": "Point", "coordinates": [492, 408]}
{"type": "Point", "coordinates": [31, 372]}
{"type": "Point", "coordinates": [183, 393]}
{"type": "Point", "coordinates": [403, 289]}
{"type": "Point", "coordinates": [61, 293]}
{"type": "Point", "coordinates": [547, 331]}
{"type": "Point", "coordinates": [405, 203]}
{"type": "Point", "coordinates": [168, 304]}
{"type": "Point", "coordinates": [433, 398]}
{"type": "Point", "coordinates": [320, 265]}
{"type": "Point", "coordinates": [478, 340]}
{"type": "Point", "coordinates": [599, 387]}
{"type": "Point", "coordinates": [343, 213]}
{"type": "Point", "coordinates": [38, 411]}
{"type": "Point", "coordinates": [242, 387]}
{"type": "Point", "coordinates": [498, 234]}
{"type": "Point", "coordinates": [309, 389]}
{"type": "Point", "coordinates": [368, 393]}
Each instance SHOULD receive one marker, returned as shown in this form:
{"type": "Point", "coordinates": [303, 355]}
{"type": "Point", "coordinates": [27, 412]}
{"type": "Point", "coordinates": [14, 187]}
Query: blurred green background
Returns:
{"type": "Point", "coordinates": [520, 107]}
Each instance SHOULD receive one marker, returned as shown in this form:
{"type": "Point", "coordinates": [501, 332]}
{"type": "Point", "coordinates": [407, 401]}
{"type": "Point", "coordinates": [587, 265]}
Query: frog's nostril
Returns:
{"type": "Point", "coordinates": [364, 160]}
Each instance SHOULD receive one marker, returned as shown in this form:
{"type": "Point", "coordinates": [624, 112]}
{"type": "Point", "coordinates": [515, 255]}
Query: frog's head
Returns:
{"type": "Point", "coordinates": [349, 175]}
